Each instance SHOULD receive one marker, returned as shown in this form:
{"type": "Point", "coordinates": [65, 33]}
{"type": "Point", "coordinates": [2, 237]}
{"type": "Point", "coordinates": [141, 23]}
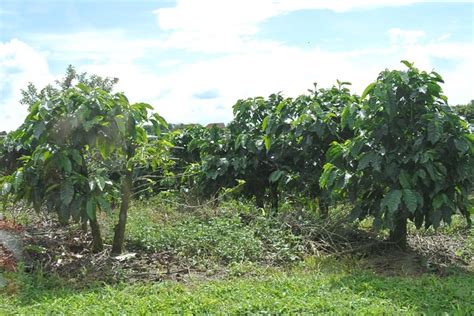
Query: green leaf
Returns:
{"type": "Point", "coordinates": [327, 176]}
{"type": "Point", "coordinates": [156, 127]}
{"type": "Point", "coordinates": [267, 142]}
{"type": "Point", "coordinates": [161, 120]}
{"type": "Point", "coordinates": [407, 63]}
{"type": "Point", "coordinates": [434, 174]}
{"type": "Point", "coordinates": [335, 151]}
{"type": "Point", "coordinates": [410, 199]}
{"type": "Point", "coordinates": [120, 122]}
{"type": "Point", "coordinates": [346, 117]}
{"type": "Point", "coordinates": [43, 113]}
{"type": "Point", "coordinates": [76, 156]}
{"type": "Point", "coordinates": [66, 192]}
{"type": "Point", "coordinates": [104, 204]}
{"type": "Point", "coordinates": [92, 184]}
{"type": "Point", "coordinates": [438, 201]}
{"type": "Point", "coordinates": [6, 188]}
{"type": "Point", "coordinates": [46, 155]}
{"type": "Point", "coordinates": [434, 131]}
{"type": "Point", "coordinates": [265, 123]}
{"type": "Point", "coordinates": [91, 205]}
{"type": "Point", "coordinates": [461, 145]}
{"type": "Point", "coordinates": [102, 145]}
{"type": "Point", "coordinates": [275, 176]}
{"type": "Point", "coordinates": [368, 90]}
{"type": "Point", "coordinates": [404, 179]}
{"type": "Point", "coordinates": [391, 200]}
{"type": "Point", "coordinates": [421, 174]}
{"type": "Point", "coordinates": [281, 106]}
{"type": "Point", "coordinates": [65, 163]}
{"type": "Point", "coordinates": [141, 135]}
{"type": "Point", "coordinates": [369, 158]}
{"type": "Point", "coordinates": [100, 183]}
{"type": "Point", "coordinates": [18, 180]}
{"type": "Point", "coordinates": [437, 76]}
{"type": "Point", "coordinates": [39, 129]}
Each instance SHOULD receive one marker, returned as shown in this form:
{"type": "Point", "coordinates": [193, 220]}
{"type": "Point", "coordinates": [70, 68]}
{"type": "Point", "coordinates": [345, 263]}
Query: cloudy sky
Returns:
{"type": "Point", "coordinates": [192, 59]}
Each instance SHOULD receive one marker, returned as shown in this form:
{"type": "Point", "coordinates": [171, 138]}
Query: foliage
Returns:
{"type": "Point", "coordinates": [64, 133]}
{"type": "Point", "coordinates": [77, 136]}
{"type": "Point", "coordinates": [251, 161]}
{"type": "Point", "coordinates": [194, 148]}
{"type": "Point", "coordinates": [31, 95]}
{"type": "Point", "coordinates": [466, 111]}
{"type": "Point", "coordinates": [153, 167]}
{"type": "Point", "coordinates": [10, 152]}
{"type": "Point", "coordinates": [275, 147]}
{"type": "Point", "coordinates": [410, 157]}
{"type": "Point", "coordinates": [298, 133]}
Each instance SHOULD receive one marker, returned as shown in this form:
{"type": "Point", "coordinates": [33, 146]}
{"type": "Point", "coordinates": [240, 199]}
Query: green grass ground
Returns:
{"type": "Point", "coordinates": [329, 287]}
{"type": "Point", "coordinates": [242, 262]}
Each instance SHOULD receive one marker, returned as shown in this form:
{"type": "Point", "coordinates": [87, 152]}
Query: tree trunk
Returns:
{"type": "Point", "coordinates": [323, 208]}
{"type": "Point", "coordinates": [84, 225]}
{"type": "Point", "coordinates": [467, 215]}
{"type": "Point", "coordinates": [119, 230]}
{"type": "Point", "coordinates": [399, 234]}
{"type": "Point", "coordinates": [97, 244]}
{"type": "Point", "coordinates": [259, 200]}
{"type": "Point", "coordinates": [274, 198]}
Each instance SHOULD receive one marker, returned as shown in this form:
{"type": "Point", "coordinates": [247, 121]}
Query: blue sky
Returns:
{"type": "Point", "coordinates": [193, 59]}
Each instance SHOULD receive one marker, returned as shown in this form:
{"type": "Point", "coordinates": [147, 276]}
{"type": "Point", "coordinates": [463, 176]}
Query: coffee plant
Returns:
{"type": "Point", "coordinates": [78, 137]}
{"type": "Point", "coordinates": [297, 135]}
{"type": "Point", "coordinates": [410, 158]}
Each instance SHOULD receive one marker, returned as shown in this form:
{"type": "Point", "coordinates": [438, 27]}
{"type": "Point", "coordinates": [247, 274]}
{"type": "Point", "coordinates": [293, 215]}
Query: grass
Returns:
{"type": "Point", "coordinates": [213, 236]}
{"type": "Point", "coordinates": [262, 265]}
{"type": "Point", "coordinates": [313, 286]}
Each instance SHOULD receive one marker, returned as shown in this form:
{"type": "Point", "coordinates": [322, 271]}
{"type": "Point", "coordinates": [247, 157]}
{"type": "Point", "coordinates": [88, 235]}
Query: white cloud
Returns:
{"type": "Point", "coordinates": [229, 26]}
{"type": "Point", "coordinates": [94, 46]}
{"type": "Point", "coordinates": [138, 83]}
{"type": "Point", "coordinates": [291, 70]}
{"type": "Point", "coordinates": [405, 37]}
{"type": "Point", "coordinates": [215, 26]}
{"type": "Point", "coordinates": [444, 37]}
{"type": "Point", "coordinates": [19, 64]}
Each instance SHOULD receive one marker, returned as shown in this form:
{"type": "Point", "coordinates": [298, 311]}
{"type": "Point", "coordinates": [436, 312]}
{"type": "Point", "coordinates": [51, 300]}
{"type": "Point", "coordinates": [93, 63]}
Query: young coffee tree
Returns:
{"type": "Point", "coordinates": [251, 161]}
{"type": "Point", "coordinates": [73, 134]}
{"type": "Point", "coordinates": [411, 158]}
{"type": "Point", "coordinates": [299, 132]}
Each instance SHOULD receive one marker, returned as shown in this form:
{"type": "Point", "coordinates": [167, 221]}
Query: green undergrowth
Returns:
{"type": "Point", "coordinates": [233, 232]}
{"type": "Point", "coordinates": [237, 231]}
{"type": "Point", "coordinates": [315, 285]}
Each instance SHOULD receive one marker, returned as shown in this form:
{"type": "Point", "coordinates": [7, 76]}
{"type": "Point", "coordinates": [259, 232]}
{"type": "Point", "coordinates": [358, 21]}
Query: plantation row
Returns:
{"type": "Point", "coordinates": [396, 153]}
